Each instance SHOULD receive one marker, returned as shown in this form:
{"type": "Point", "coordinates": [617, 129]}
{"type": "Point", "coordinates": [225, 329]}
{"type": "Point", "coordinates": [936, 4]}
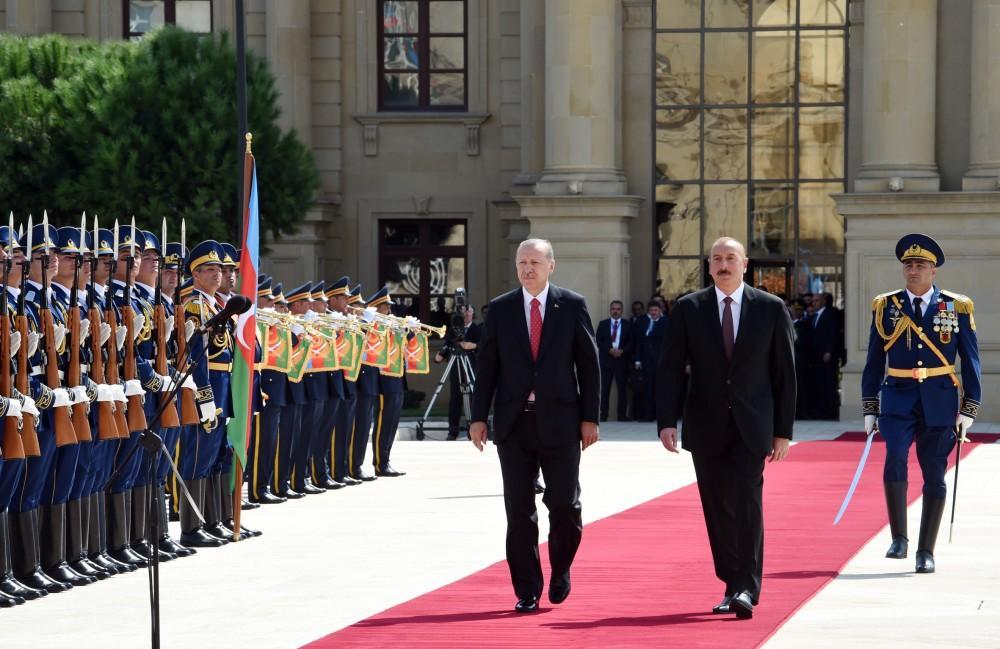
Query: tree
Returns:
{"type": "Point", "coordinates": [148, 128]}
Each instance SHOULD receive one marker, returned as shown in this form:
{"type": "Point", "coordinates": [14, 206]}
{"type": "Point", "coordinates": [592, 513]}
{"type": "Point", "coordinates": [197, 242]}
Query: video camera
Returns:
{"type": "Point", "coordinates": [456, 325]}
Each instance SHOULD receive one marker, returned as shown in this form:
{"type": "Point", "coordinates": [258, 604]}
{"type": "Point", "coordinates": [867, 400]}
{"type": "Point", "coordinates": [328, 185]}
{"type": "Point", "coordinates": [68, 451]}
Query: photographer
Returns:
{"type": "Point", "coordinates": [463, 337]}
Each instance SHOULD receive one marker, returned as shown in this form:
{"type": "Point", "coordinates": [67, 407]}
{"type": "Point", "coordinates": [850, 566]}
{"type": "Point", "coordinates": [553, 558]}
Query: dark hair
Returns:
{"type": "Point", "coordinates": [618, 302]}
{"type": "Point", "coordinates": [639, 302]}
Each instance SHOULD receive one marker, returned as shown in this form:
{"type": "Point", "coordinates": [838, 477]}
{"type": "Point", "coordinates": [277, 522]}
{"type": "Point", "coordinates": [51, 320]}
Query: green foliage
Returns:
{"type": "Point", "coordinates": [145, 128]}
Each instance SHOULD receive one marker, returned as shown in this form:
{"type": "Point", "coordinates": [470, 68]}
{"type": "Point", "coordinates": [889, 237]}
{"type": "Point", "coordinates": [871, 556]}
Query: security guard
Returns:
{"type": "Point", "coordinates": [390, 406]}
{"type": "Point", "coordinates": [918, 332]}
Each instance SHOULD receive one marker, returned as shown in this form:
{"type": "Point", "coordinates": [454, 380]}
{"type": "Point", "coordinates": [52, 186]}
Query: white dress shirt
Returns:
{"type": "Point", "coordinates": [528, 297]}
{"type": "Point", "coordinates": [925, 300]}
{"type": "Point", "coordinates": [734, 307]}
{"type": "Point", "coordinates": [617, 335]}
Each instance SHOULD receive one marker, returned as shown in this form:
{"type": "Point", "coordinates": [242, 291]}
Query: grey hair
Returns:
{"type": "Point", "coordinates": [725, 241]}
{"type": "Point", "coordinates": [543, 245]}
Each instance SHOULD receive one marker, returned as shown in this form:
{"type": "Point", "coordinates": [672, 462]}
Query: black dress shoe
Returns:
{"type": "Point", "coordinates": [200, 539]}
{"type": "Point", "coordinates": [247, 505]}
{"type": "Point", "coordinates": [14, 588]}
{"type": "Point", "coordinates": [41, 581]}
{"type": "Point", "coordinates": [925, 562]}
{"type": "Point", "coordinates": [62, 572]}
{"type": "Point", "coordinates": [526, 605]}
{"type": "Point", "coordinates": [167, 544]}
{"type": "Point", "coordinates": [8, 601]}
{"type": "Point", "coordinates": [559, 588]}
{"type": "Point", "coordinates": [347, 480]}
{"type": "Point", "coordinates": [291, 494]}
{"type": "Point", "coordinates": [331, 485]}
{"type": "Point", "coordinates": [722, 607]}
{"type": "Point", "coordinates": [363, 477]}
{"type": "Point", "coordinates": [389, 472]}
{"type": "Point", "coordinates": [267, 498]}
{"type": "Point", "coordinates": [309, 489]}
{"type": "Point", "coordinates": [539, 489]}
{"type": "Point", "coordinates": [898, 548]}
{"type": "Point", "coordinates": [742, 605]}
{"type": "Point", "coordinates": [88, 569]}
{"type": "Point", "coordinates": [220, 532]}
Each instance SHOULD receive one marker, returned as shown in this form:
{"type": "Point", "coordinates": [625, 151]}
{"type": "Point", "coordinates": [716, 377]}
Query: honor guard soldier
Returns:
{"type": "Point", "coordinates": [314, 421]}
{"type": "Point", "coordinates": [274, 384]}
{"type": "Point", "coordinates": [390, 406]}
{"type": "Point", "coordinates": [280, 301]}
{"type": "Point", "coordinates": [12, 468]}
{"type": "Point", "coordinates": [364, 412]}
{"type": "Point", "coordinates": [344, 429]}
{"type": "Point", "coordinates": [322, 463]}
{"type": "Point", "coordinates": [910, 385]}
{"type": "Point", "coordinates": [211, 356]}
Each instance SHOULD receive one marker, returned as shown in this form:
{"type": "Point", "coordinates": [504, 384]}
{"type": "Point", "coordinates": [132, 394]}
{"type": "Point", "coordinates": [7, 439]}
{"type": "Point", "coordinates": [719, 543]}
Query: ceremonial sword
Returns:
{"type": "Point", "coordinates": [857, 474]}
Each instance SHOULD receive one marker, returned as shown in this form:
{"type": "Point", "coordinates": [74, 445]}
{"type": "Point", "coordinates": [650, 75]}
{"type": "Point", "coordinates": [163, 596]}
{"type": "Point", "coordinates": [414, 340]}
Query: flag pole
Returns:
{"type": "Point", "coordinates": [241, 112]}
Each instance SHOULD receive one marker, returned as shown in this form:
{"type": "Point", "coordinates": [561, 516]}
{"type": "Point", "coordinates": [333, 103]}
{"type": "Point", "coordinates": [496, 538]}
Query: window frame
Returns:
{"type": "Point", "coordinates": [169, 17]}
{"type": "Point", "coordinates": [423, 251]}
{"type": "Point", "coordinates": [424, 71]}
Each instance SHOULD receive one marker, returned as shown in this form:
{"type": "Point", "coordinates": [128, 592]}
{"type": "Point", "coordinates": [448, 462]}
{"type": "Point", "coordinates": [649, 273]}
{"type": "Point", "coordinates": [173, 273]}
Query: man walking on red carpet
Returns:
{"type": "Point", "coordinates": [538, 358]}
{"type": "Point", "coordinates": [730, 346]}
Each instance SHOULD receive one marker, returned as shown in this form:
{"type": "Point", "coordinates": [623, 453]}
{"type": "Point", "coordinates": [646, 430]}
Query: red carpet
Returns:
{"type": "Point", "coordinates": [644, 577]}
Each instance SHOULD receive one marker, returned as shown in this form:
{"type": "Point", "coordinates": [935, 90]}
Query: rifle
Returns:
{"type": "Point", "coordinates": [13, 447]}
{"type": "Point", "coordinates": [29, 433]}
{"type": "Point", "coordinates": [111, 317]}
{"type": "Point", "coordinates": [81, 417]}
{"type": "Point", "coordinates": [107, 427]}
{"type": "Point", "coordinates": [169, 417]}
{"type": "Point", "coordinates": [135, 414]}
{"type": "Point", "coordinates": [189, 408]}
{"type": "Point", "coordinates": [63, 424]}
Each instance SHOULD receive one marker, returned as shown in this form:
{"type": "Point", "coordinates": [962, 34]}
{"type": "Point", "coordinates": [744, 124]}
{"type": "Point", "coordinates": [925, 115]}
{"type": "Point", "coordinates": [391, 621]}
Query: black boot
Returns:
{"type": "Point", "coordinates": [193, 534]}
{"type": "Point", "coordinates": [9, 586]}
{"type": "Point", "coordinates": [25, 554]}
{"type": "Point", "coordinates": [165, 543]}
{"type": "Point", "coordinates": [118, 529]}
{"type": "Point", "coordinates": [930, 522]}
{"type": "Point", "coordinates": [54, 547]}
{"type": "Point", "coordinates": [213, 509]}
{"type": "Point", "coordinates": [895, 503]}
{"type": "Point", "coordinates": [75, 533]}
{"type": "Point", "coordinates": [99, 519]}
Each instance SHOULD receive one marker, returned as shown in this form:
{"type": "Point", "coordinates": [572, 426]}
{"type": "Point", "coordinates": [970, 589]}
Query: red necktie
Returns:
{"type": "Point", "coordinates": [536, 328]}
{"type": "Point", "coordinates": [614, 332]}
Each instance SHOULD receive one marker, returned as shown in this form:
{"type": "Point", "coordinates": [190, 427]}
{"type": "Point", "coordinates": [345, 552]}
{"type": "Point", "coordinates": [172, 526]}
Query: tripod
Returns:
{"type": "Point", "coordinates": [466, 383]}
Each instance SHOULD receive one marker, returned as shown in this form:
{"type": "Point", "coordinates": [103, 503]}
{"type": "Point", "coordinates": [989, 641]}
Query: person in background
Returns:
{"type": "Point", "coordinates": [614, 348]}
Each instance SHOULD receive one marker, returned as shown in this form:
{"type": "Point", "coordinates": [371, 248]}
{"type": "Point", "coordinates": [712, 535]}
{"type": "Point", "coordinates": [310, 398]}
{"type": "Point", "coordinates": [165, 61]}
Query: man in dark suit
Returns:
{"type": "Point", "coordinates": [538, 362]}
{"type": "Point", "coordinates": [738, 409]}
{"type": "Point", "coordinates": [614, 347]}
{"type": "Point", "coordinates": [649, 334]}
{"type": "Point", "coordinates": [823, 349]}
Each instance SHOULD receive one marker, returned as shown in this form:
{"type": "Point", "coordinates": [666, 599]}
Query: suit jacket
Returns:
{"type": "Point", "coordinates": [648, 345]}
{"type": "Point", "coordinates": [757, 386]}
{"type": "Point", "coordinates": [625, 341]}
{"type": "Point", "coordinates": [823, 337]}
{"type": "Point", "coordinates": [566, 377]}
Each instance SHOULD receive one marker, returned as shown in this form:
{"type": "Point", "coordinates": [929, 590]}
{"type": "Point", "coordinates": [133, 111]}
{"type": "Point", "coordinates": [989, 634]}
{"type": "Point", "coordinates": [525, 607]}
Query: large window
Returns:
{"type": "Point", "coordinates": [423, 262]}
{"type": "Point", "coordinates": [143, 16]}
{"type": "Point", "coordinates": [750, 141]}
{"type": "Point", "coordinates": [422, 55]}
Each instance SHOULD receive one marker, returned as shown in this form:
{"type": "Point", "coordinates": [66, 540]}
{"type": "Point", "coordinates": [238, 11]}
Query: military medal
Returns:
{"type": "Point", "coordinates": [945, 321]}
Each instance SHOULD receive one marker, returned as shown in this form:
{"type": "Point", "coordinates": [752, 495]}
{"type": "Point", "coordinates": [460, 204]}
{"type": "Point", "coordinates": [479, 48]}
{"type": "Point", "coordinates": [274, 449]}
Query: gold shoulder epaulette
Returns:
{"type": "Point", "coordinates": [880, 300]}
{"type": "Point", "coordinates": [193, 308]}
{"type": "Point", "coordinates": [963, 303]}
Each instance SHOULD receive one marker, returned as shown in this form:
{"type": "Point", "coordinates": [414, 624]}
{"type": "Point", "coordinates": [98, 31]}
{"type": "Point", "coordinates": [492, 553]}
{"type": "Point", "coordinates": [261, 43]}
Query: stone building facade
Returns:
{"type": "Point", "coordinates": [630, 133]}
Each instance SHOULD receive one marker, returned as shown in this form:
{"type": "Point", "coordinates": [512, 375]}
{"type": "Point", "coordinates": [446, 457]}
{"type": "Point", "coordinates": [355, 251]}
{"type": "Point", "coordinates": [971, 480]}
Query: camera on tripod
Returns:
{"type": "Point", "coordinates": [456, 326]}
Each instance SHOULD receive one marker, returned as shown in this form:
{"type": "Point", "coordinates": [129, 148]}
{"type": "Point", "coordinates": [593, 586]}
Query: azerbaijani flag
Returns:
{"type": "Point", "coordinates": [241, 381]}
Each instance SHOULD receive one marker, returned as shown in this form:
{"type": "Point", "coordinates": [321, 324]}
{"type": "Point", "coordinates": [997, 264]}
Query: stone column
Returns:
{"type": "Point", "coordinates": [582, 98]}
{"type": "Point", "coordinates": [532, 92]}
{"type": "Point", "coordinates": [984, 118]}
{"type": "Point", "coordinates": [898, 103]}
{"type": "Point", "coordinates": [29, 17]}
{"type": "Point", "coordinates": [288, 41]}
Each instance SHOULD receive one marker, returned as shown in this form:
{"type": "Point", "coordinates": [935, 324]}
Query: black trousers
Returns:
{"type": "Point", "coordinates": [521, 456]}
{"type": "Point", "coordinates": [614, 369]}
{"type": "Point", "coordinates": [262, 449]}
{"type": "Point", "coordinates": [321, 435]}
{"type": "Point", "coordinates": [342, 433]}
{"type": "Point", "coordinates": [289, 427]}
{"type": "Point", "coordinates": [364, 410]}
{"type": "Point", "coordinates": [388, 410]}
{"type": "Point", "coordinates": [731, 484]}
{"type": "Point", "coordinates": [825, 395]}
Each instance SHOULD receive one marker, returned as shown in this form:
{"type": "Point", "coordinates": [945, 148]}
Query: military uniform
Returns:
{"type": "Point", "coordinates": [293, 441]}
{"type": "Point", "coordinates": [388, 409]}
{"type": "Point", "coordinates": [368, 396]}
{"type": "Point", "coordinates": [909, 382]}
{"type": "Point", "coordinates": [344, 428]}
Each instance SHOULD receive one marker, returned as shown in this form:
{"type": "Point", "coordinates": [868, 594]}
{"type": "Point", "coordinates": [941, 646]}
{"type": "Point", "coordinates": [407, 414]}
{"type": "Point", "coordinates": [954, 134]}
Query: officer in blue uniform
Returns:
{"type": "Point", "coordinates": [910, 385]}
{"type": "Point", "coordinates": [390, 406]}
{"type": "Point", "coordinates": [264, 434]}
{"type": "Point", "coordinates": [287, 428]}
{"type": "Point", "coordinates": [314, 420]}
{"type": "Point", "coordinates": [368, 393]}
{"type": "Point", "coordinates": [335, 296]}
{"type": "Point", "coordinates": [344, 428]}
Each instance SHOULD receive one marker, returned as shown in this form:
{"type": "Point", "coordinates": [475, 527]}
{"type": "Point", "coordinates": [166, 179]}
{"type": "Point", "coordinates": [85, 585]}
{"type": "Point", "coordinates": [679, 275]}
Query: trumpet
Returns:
{"type": "Point", "coordinates": [403, 324]}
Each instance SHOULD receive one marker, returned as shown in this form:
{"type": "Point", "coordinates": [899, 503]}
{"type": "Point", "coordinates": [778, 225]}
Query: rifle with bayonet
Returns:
{"type": "Point", "coordinates": [74, 371]}
{"type": "Point", "coordinates": [12, 446]}
{"type": "Point", "coordinates": [169, 417]}
{"type": "Point", "coordinates": [111, 317]}
{"type": "Point", "coordinates": [61, 417]}
{"type": "Point", "coordinates": [135, 414]}
{"type": "Point", "coordinates": [189, 407]}
{"type": "Point", "coordinates": [107, 427]}
{"type": "Point", "coordinates": [29, 432]}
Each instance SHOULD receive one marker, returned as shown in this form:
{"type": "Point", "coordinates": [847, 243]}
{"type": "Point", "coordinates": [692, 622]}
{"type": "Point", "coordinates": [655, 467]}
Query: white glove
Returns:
{"type": "Point", "coordinates": [33, 339]}
{"type": "Point", "coordinates": [168, 383]}
{"type": "Point", "coordinates": [137, 323]}
{"type": "Point", "coordinates": [105, 333]}
{"type": "Point", "coordinates": [298, 329]}
{"type": "Point", "coordinates": [310, 316]}
{"type": "Point", "coordinates": [188, 329]}
{"type": "Point", "coordinates": [59, 335]}
{"type": "Point", "coordinates": [15, 343]}
{"type": "Point", "coordinates": [84, 330]}
{"type": "Point", "coordinates": [169, 325]}
{"type": "Point", "coordinates": [410, 320]}
{"type": "Point", "coordinates": [369, 314]}
{"type": "Point", "coordinates": [13, 408]}
{"type": "Point", "coordinates": [120, 334]}
{"type": "Point", "coordinates": [79, 394]}
{"type": "Point", "coordinates": [118, 393]}
{"type": "Point", "coordinates": [189, 383]}
{"type": "Point", "coordinates": [207, 412]}
{"type": "Point", "coordinates": [869, 424]}
{"type": "Point", "coordinates": [963, 423]}
{"type": "Point", "coordinates": [133, 388]}
{"type": "Point", "coordinates": [105, 392]}
{"type": "Point", "coordinates": [60, 398]}
{"type": "Point", "coordinates": [28, 406]}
